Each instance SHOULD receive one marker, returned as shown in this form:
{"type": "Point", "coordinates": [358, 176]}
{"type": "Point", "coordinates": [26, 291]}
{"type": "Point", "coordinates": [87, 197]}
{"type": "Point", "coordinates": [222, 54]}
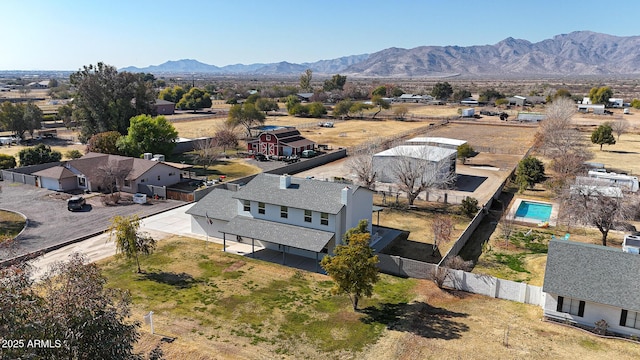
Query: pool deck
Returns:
{"type": "Point", "coordinates": [553, 218]}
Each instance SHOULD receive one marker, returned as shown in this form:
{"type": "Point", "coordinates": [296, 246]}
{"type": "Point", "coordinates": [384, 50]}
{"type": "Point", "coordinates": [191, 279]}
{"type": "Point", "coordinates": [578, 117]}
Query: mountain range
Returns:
{"type": "Point", "coordinates": [573, 54]}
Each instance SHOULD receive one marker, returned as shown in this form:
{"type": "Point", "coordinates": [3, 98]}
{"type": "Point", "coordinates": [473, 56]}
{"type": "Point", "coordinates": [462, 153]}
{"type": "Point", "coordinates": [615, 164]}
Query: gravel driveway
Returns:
{"type": "Point", "coordinates": [50, 223]}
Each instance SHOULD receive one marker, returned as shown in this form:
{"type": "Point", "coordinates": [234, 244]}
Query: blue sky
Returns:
{"type": "Point", "coordinates": [66, 34]}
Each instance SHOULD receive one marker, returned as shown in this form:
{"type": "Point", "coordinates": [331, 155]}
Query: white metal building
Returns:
{"type": "Point", "coordinates": [442, 160]}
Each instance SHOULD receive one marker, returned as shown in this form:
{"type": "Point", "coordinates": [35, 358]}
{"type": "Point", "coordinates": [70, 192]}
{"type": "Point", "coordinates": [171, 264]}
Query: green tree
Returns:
{"type": "Point", "coordinates": [465, 151]}
{"type": "Point", "coordinates": [32, 117]}
{"type": "Point", "coordinates": [105, 99]}
{"type": "Point", "coordinates": [7, 161]}
{"type": "Point", "coordinates": [291, 102]}
{"type": "Point", "coordinates": [12, 118]}
{"type": "Point", "coordinates": [195, 99]}
{"type": "Point", "coordinates": [39, 154]}
{"type": "Point", "coordinates": [396, 91]}
{"type": "Point", "coordinates": [104, 143]}
{"type": "Point", "coordinates": [635, 103]}
{"type": "Point", "coordinates": [600, 95]}
{"type": "Point", "coordinates": [529, 172]}
{"type": "Point", "coordinates": [65, 113]}
{"type": "Point", "coordinates": [70, 304]}
{"type": "Point", "coordinates": [148, 134]}
{"type": "Point", "coordinates": [336, 83]}
{"type": "Point", "coordinates": [341, 109]}
{"type": "Point", "coordinates": [129, 241]}
{"type": "Point", "coordinates": [353, 267]}
{"type": "Point", "coordinates": [73, 154]}
{"type": "Point", "coordinates": [305, 80]}
{"type": "Point", "coordinates": [562, 93]}
{"type": "Point", "coordinates": [501, 101]}
{"type": "Point", "coordinates": [461, 94]}
{"type": "Point", "coordinates": [442, 90]}
{"type": "Point", "coordinates": [381, 103]}
{"type": "Point", "coordinates": [173, 94]}
{"type": "Point", "coordinates": [358, 108]}
{"type": "Point", "coordinates": [317, 109]}
{"type": "Point", "coordinates": [245, 115]}
{"type": "Point", "coordinates": [469, 206]}
{"type": "Point", "coordinates": [603, 135]}
{"type": "Point", "coordinates": [489, 95]}
{"type": "Point", "coordinates": [379, 91]}
{"type": "Point", "coordinates": [267, 105]}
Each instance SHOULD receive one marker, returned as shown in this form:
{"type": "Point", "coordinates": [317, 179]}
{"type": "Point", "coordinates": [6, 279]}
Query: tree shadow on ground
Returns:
{"type": "Point", "coordinates": [180, 281]}
{"type": "Point", "coordinates": [418, 318]}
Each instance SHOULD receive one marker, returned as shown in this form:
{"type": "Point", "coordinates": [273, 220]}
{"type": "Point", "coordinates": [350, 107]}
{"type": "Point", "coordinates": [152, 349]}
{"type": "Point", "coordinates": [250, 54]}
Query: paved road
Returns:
{"type": "Point", "coordinates": [49, 222]}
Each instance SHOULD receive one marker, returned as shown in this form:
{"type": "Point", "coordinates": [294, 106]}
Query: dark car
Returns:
{"type": "Point", "coordinates": [261, 157]}
{"type": "Point", "coordinates": [75, 203]}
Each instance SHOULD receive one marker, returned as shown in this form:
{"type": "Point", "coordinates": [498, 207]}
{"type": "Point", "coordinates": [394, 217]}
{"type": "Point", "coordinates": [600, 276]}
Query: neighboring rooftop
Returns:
{"type": "Point", "coordinates": [437, 140]}
{"type": "Point", "coordinates": [425, 152]}
{"type": "Point", "coordinates": [593, 273]}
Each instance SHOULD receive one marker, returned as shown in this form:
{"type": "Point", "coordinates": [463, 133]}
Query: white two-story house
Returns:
{"type": "Point", "coordinates": [292, 215]}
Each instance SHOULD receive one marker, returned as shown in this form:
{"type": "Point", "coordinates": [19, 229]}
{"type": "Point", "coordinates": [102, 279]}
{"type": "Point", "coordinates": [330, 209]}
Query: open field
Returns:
{"type": "Point", "coordinates": [222, 306]}
{"type": "Point", "coordinates": [622, 157]}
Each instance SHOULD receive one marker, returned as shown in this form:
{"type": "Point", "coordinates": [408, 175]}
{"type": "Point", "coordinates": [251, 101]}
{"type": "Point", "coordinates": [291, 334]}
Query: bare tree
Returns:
{"type": "Point", "coordinates": [362, 165]}
{"type": "Point", "coordinates": [507, 226]}
{"type": "Point", "coordinates": [442, 227]}
{"type": "Point", "coordinates": [601, 206]}
{"type": "Point", "coordinates": [206, 152]}
{"type": "Point", "coordinates": [412, 169]}
{"type": "Point", "coordinates": [556, 133]}
{"type": "Point", "coordinates": [442, 273]}
{"type": "Point", "coordinates": [113, 174]}
{"type": "Point", "coordinates": [226, 136]}
{"type": "Point", "coordinates": [619, 127]}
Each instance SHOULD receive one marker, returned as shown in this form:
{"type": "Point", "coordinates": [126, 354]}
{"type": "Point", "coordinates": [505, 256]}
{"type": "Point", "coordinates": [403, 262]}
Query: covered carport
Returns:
{"type": "Point", "coordinates": [285, 236]}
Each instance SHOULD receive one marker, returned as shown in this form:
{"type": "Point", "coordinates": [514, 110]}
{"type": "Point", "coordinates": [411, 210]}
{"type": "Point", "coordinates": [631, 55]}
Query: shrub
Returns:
{"type": "Point", "coordinates": [469, 206]}
{"type": "Point", "coordinates": [73, 154]}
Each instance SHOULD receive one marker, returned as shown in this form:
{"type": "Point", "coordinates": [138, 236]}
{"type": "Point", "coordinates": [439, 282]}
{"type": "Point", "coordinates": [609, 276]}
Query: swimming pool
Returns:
{"type": "Point", "coordinates": [269, 127]}
{"type": "Point", "coordinates": [535, 211]}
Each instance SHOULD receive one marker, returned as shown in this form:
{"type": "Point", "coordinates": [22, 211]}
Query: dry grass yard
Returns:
{"type": "Point", "coordinates": [222, 306]}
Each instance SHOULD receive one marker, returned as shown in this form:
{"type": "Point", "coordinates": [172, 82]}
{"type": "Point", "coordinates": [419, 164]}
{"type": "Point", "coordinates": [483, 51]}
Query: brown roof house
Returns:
{"type": "Point", "coordinates": [103, 172]}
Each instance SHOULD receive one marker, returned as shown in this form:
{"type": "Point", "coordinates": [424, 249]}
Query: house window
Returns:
{"type": "Point", "coordinates": [324, 219]}
{"type": "Point", "coordinates": [267, 138]}
{"type": "Point", "coordinates": [284, 212]}
{"type": "Point", "coordinates": [158, 177]}
{"type": "Point", "coordinates": [82, 182]}
{"type": "Point", "coordinates": [570, 306]}
{"type": "Point", "coordinates": [630, 319]}
{"type": "Point", "coordinates": [307, 216]}
{"type": "Point", "coordinates": [261, 209]}
{"type": "Point", "coordinates": [127, 183]}
{"type": "Point", "coordinates": [246, 205]}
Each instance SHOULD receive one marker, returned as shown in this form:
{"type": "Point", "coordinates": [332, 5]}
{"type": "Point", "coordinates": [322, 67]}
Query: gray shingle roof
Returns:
{"type": "Point", "coordinates": [277, 233]}
{"type": "Point", "coordinates": [309, 194]}
{"type": "Point", "coordinates": [593, 273]}
{"type": "Point", "coordinates": [218, 204]}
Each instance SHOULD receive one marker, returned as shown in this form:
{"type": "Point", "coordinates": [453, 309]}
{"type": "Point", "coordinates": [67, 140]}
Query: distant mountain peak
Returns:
{"type": "Point", "coordinates": [576, 53]}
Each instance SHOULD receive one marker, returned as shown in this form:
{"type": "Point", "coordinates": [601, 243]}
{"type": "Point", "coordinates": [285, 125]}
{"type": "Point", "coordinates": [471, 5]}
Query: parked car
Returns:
{"type": "Point", "coordinates": [75, 203]}
{"type": "Point", "coordinates": [261, 157]}
{"type": "Point", "coordinates": [308, 154]}
{"type": "Point", "coordinates": [291, 159]}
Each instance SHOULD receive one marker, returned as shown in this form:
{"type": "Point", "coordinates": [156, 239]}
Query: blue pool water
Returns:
{"type": "Point", "coordinates": [534, 210]}
{"type": "Point", "coordinates": [268, 127]}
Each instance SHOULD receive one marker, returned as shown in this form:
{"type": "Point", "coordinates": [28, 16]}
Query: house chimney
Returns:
{"type": "Point", "coordinates": [345, 195]}
{"type": "Point", "coordinates": [285, 181]}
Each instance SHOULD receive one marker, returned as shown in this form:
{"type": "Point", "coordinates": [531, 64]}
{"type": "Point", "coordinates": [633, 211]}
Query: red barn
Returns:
{"type": "Point", "coordinates": [281, 142]}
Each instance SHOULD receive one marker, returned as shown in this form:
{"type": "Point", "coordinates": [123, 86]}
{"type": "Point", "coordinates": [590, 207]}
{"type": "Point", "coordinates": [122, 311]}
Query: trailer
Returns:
{"type": "Point", "coordinates": [470, 112]}
{"type": "Point", "coordinates": [627, 182]}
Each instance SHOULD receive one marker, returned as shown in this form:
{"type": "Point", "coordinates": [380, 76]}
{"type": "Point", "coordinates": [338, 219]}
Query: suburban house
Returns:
{"type": "Point", "coordinates": [445, 143]}
{"type": "Point", "coordinates": [586, 283]}
{"type": "Point", "coordinates": [439, 162]}
{"type": "Point", "coordinates": [281, 142]}
{"type": "Point", "coordinates": [39, 85]}
{"type": "Point", "coordinates": [164, 107]}
{"type": "Point", "coordinates": [298, 216]}
{"type": "Point", "coordinates": [93, 171]}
